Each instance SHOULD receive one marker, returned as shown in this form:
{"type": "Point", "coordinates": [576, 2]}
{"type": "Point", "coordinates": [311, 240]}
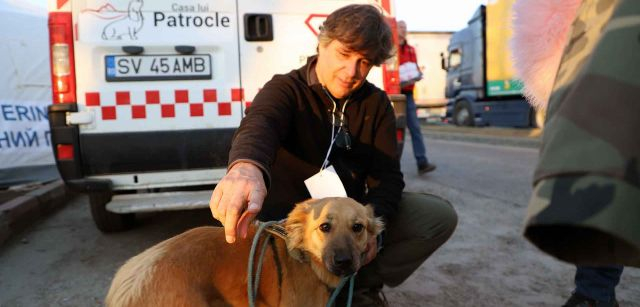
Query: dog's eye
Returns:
{"type": "Point", "coordinates": [357, 227]}
{"type": "Point", "coordinates": [325, 227]}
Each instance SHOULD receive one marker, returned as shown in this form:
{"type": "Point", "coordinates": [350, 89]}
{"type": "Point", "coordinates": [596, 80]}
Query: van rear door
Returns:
{"type": "Point", "coordinates": [278, 36]}
{"type": "Point", "coordinates": [158, 84]}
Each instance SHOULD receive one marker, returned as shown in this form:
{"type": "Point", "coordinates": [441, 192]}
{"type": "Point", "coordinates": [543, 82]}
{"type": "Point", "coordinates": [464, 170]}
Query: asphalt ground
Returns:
{"type": "Point", "coordinates": [521, 137]}
{"type": "Point", "coordinates": [24, 205]}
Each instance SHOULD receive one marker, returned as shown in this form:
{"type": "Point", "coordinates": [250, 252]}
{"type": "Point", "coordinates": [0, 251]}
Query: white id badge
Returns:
{"type": "Point", "coordinates": [326, 183]}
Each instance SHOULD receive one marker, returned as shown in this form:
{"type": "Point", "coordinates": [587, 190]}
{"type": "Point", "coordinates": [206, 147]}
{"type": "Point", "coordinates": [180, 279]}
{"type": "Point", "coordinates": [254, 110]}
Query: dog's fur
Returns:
{"type": "Point", "coordinates": [198, 268]}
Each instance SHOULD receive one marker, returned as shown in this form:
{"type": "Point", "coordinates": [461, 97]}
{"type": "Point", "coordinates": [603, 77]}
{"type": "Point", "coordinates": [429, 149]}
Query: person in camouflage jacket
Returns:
{"type": "Point", "coordinates": [585, 207]}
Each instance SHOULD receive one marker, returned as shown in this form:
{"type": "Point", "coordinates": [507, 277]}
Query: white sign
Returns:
{"type": "Point", "coordinates": [24, 134]}
{"type": "Point", "coordinates": [326, 183]}
{"type": "Point", "coordinates": [25, 88]}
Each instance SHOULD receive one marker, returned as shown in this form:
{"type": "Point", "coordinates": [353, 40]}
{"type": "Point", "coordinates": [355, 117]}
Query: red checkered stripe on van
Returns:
{"type": "Point", "coordinates": [108, 103]}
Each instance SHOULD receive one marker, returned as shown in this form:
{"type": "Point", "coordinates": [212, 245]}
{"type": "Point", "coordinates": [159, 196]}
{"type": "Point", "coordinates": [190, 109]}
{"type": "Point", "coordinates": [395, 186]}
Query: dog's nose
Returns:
{"type": "Point", "coordinates": [342, 261]}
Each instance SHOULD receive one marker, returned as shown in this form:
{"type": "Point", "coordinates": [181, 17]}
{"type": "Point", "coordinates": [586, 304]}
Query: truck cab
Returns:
{"type": "Point", "coordinates": [464, 78]}
{"type": "Point", "coordinates": [480, 86]}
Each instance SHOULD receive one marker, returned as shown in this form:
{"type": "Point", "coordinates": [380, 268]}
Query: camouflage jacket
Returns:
{"type": "Point", "coordinates": [585, 206]}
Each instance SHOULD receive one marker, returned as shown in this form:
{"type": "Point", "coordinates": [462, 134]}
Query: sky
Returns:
{"type": "Point", "coordinates": [436, 15]}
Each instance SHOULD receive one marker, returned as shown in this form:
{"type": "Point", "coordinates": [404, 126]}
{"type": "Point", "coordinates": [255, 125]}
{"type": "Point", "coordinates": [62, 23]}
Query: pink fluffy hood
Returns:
{"type": "Point", "coordinates": [540, 33]}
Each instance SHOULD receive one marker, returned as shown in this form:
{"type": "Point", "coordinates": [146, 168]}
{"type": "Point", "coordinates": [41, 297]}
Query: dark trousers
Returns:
{"type": "Point", "coordinates": [422, 224]}
{"type": "Point", "coordinates": [598, 283]}
{"type": "Point", "coordinates": [413, 123]}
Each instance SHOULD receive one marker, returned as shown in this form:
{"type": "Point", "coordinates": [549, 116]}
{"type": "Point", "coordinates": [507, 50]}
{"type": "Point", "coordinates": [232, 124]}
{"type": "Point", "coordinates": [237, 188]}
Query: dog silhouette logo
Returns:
{"type": "Point", "coordinates": [126, 25]}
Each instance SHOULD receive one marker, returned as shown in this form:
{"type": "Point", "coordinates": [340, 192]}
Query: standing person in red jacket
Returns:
{"type": "Point", "coordinates": [409, 74]}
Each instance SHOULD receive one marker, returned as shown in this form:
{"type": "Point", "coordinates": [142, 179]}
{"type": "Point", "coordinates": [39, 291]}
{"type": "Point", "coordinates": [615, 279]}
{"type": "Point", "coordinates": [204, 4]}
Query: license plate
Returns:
{"type": "Point", "coordinates": [157, 67]}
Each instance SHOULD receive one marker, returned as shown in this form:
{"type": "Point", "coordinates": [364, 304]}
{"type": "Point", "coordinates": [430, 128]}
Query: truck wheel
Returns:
{"type": "Point", "coordinates": [537, 118]}
{"type": "Point", "coordinates": [463, 114]}
{"type": "Point", "coordinates": [105, 220]}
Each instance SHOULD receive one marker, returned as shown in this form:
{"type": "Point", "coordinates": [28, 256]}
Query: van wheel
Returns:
{"type": "Point", "coordinates": [105, 220]}
{"type": "Point", "coordinates": [463, 114]}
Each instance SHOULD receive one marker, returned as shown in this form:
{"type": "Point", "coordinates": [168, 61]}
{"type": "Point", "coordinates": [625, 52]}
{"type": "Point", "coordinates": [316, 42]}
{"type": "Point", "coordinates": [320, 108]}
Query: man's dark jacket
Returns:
{"type": "Point", "coordinates": [287, 133]}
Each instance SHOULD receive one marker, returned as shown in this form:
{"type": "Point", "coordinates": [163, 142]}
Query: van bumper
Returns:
{"type": "Point", "coordinates": [106, 154]}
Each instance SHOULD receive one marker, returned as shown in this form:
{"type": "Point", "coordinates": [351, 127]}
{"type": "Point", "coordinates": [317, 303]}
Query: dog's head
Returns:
{"type": "Point", "coordinates": [333, 233]}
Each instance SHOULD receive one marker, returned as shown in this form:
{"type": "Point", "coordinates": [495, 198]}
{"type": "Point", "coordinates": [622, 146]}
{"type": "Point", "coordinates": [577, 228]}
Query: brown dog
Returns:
{"type": "Point", "coordinates": [326, 240]}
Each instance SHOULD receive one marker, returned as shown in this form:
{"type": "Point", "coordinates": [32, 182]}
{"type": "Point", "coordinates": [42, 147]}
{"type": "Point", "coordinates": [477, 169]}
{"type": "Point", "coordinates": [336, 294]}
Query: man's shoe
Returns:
{"type": "Point", "coordinates": [579, 300]}
{"type": "Point", "coordinates": [369, 297]}
{"type": "Point", "coordinates": [425, 168]}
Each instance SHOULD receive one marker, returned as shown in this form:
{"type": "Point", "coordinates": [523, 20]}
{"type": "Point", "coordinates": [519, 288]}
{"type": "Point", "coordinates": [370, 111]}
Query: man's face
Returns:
{"type": "Point", "coordinates": [341, 70]}
{"type": "Point", "coordinates": [402, 31]}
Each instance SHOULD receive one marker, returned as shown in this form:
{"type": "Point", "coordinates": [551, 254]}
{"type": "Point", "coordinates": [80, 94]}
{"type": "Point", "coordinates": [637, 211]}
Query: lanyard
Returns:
{"type": "Point", "coordinates": [334, 134]}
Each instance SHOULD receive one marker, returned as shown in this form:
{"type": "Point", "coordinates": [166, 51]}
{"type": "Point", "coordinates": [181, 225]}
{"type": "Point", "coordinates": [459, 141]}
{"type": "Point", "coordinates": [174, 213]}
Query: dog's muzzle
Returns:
{"type": "Point", "coordinates": [341, 263]}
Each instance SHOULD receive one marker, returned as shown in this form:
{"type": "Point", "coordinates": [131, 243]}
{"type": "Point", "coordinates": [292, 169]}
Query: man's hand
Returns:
{"type": "Point", "coordinates": [372, 250]}
{"type": "Point", "coordinates": [237, 199]}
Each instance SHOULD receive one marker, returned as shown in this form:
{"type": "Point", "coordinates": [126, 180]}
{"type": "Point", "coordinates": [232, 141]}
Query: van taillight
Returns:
{"type": "Point", "coordinates": [390, 73]}
{"type": "Point", "coordinates": [65, 152]}
{"type": "Point", "coordinates": [400, 135]}
{"type": "Point", "coordinates": [63, 77]}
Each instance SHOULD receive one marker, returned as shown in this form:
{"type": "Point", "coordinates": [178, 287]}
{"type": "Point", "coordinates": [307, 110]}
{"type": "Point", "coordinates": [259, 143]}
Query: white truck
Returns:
{"type": "Point", "coordinates": [148, 94]}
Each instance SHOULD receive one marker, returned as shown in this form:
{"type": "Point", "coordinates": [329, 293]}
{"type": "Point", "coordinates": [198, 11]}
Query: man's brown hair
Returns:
{"type": "Point", "coordinates": [362, 28]}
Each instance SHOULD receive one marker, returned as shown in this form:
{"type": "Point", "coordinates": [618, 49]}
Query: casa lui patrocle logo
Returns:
{"type": "Point", "coordinates": [127, 24]}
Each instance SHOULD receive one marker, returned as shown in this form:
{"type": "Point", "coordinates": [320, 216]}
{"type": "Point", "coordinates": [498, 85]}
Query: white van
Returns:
{"type": "Point", "coordinates": [148, 94]}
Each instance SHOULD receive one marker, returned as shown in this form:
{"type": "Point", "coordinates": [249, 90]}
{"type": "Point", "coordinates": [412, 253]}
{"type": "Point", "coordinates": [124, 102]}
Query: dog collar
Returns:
{"type": "Point", "coordinates": [277, 229]}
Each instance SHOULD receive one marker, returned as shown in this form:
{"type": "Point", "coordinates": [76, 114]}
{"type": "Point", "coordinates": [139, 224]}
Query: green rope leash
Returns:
{"type": "Point", "coordinates": [252, 286]}
{"type": "Point", "coordinates": [334, 295]}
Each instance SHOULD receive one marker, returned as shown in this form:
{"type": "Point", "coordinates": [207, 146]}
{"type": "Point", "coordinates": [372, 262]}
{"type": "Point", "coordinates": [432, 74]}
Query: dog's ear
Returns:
{"type": "Point", "coordinates": [295, 226]}
{"type": "Point", "coordinates": [375, 224]}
